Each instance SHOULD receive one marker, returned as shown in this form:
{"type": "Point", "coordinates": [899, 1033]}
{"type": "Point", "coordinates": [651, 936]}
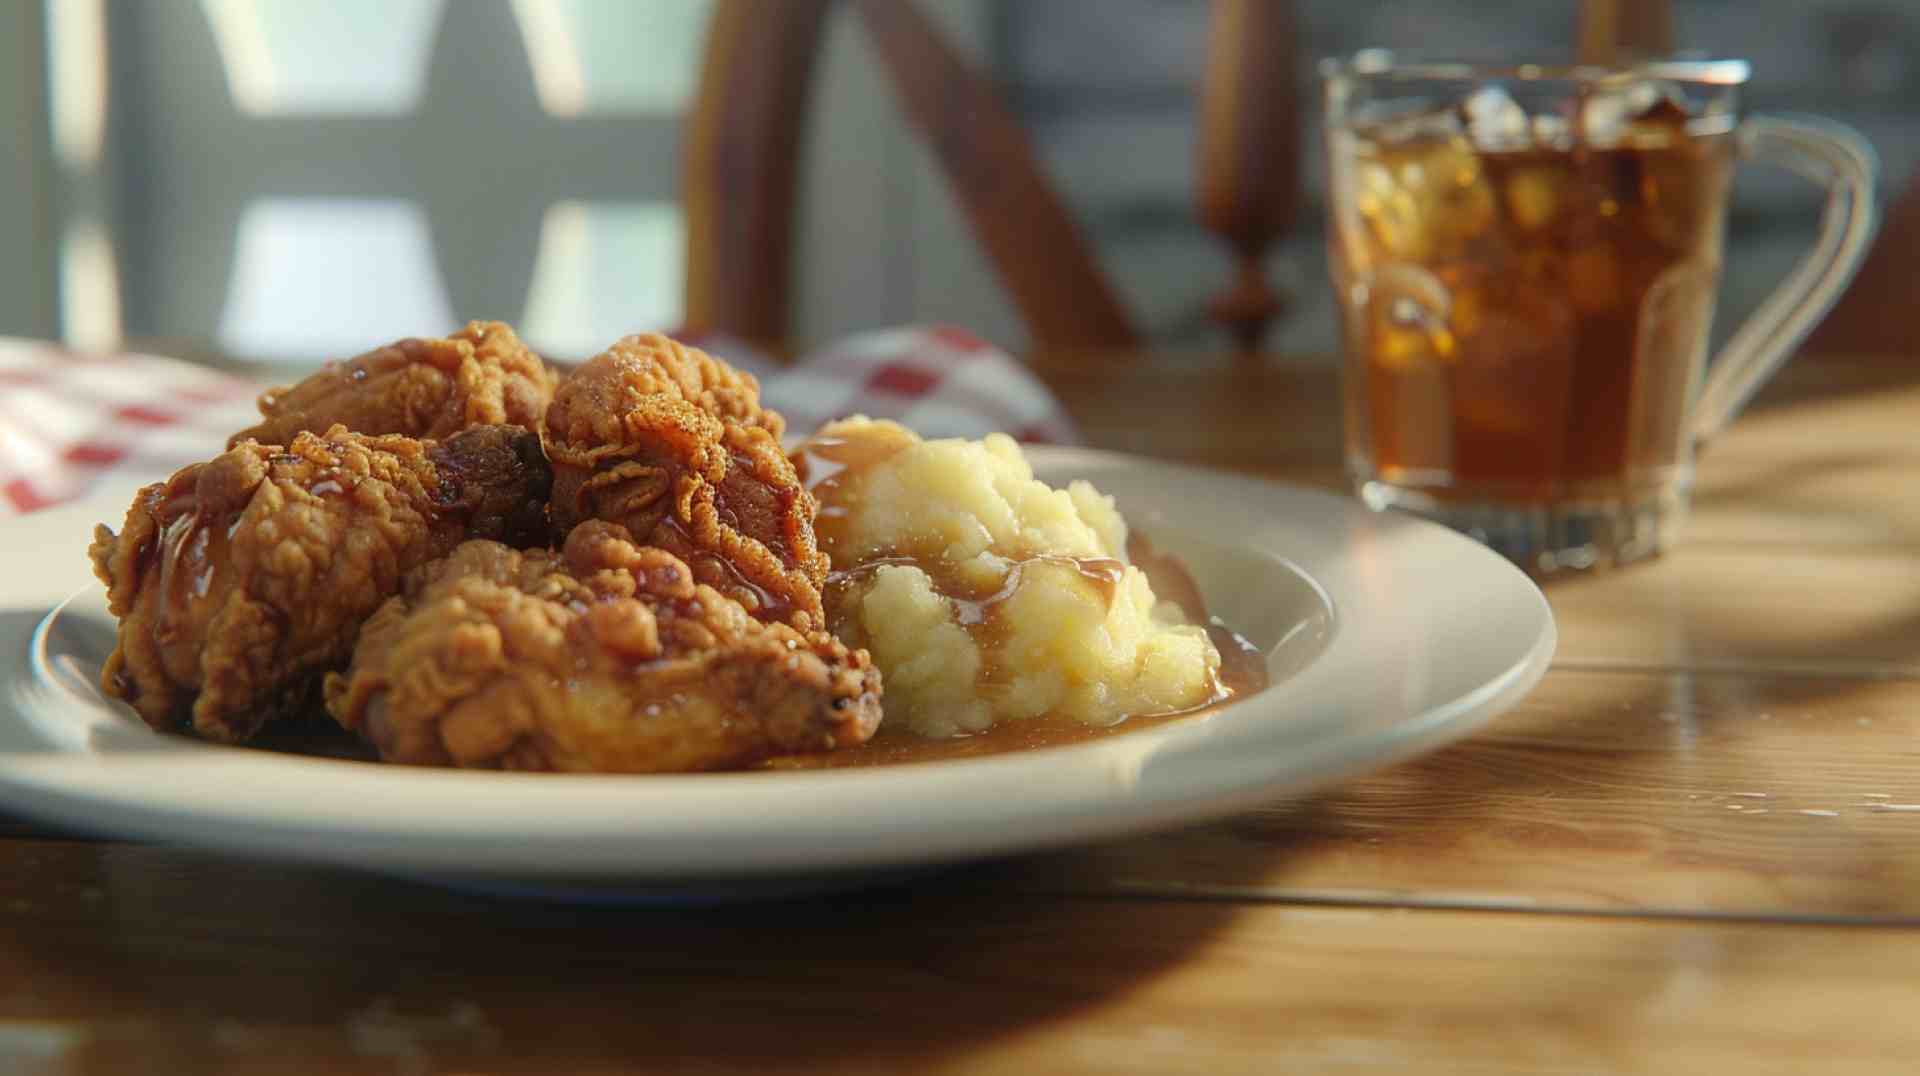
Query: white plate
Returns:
{"type": "Point", "coordinates": [1385, 636]}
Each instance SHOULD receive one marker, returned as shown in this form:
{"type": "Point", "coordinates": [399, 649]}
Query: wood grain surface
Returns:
{"type": "Point", "coordinates": [119, 962]}
{"type": "Point", "coordinates": [1677, 793]}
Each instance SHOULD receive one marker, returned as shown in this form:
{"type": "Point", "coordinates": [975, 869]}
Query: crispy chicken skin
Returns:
{"type": "Point", "coordinates": [423, 388]}
{"type": "Point", "coordinates": [238, 581]}
{"type": "Point", "coordinates": [674, 445]}
{"type": "Point", "coordinates": [606, 657]}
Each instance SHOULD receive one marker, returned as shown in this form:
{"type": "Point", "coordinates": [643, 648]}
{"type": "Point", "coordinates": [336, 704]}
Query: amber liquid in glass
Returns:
{"type": "Point", "coordinates": [1525, 323]}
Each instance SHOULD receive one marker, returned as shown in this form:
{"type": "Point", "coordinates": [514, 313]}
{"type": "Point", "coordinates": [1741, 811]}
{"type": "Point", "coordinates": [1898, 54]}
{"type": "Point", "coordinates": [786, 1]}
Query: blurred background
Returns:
{"type": "Point", "coordinates": [288, 181]}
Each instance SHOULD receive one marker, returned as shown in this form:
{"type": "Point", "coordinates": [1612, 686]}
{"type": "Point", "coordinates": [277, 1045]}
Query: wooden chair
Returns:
{"type": "Point", "coordinates": [1612, 29]}
{"type": "Point", "coordinates": [742, 145]}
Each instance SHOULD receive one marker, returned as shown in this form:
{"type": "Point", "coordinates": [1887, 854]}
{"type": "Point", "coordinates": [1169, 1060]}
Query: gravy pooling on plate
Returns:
{"type": "Point", "coordinates": [1243, 672]}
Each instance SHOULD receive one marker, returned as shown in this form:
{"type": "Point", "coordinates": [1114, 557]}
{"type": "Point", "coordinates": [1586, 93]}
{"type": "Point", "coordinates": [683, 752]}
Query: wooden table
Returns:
{"type": "Point", "coordinates": [1695, 848]}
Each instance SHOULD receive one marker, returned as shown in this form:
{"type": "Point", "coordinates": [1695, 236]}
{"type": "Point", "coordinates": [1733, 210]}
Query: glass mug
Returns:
{"type": "Point", "coordinates": [1526, 260]}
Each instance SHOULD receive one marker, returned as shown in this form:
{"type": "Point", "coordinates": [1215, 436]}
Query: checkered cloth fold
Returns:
{"type": "Point", "coordinates": [70, 423]}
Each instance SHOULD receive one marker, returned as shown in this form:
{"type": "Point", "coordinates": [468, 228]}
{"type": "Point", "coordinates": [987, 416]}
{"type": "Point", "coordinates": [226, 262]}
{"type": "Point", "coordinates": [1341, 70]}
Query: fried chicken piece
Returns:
{"type": "Point", "coordinates": [605, 657]}
{"type": "Point", "coordinates": [674, 445]}
{"type": "Point", "coordinates": [238, 581]}
{"type": "Point", "coordinates": [425, 388]}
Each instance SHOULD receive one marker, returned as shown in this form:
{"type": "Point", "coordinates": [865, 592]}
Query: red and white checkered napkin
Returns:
{"type": "Point", "coordinates": [70, 423]}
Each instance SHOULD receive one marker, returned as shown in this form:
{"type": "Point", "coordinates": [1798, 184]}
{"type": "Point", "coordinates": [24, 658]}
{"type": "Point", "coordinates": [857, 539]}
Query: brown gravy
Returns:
{"type": "Point", "coordinates": [975, 612]}
{"type": "Point", "coordinates": [1243, 671]}
{"type": "Point", "coordinates": [186, 557]}
{"type": "Point", "coordinates": [828, 464]}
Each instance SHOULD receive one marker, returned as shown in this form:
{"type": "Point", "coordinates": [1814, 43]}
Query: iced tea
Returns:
{"type": "Point", "coordinates": [1526, 298]}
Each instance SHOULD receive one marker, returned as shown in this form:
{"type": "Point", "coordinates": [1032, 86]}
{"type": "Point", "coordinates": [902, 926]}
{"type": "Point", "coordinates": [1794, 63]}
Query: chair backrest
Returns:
{"type": "Point", "coordinates": [740, 168]}
{"type": "Point", "coordinates": [1610, 29]}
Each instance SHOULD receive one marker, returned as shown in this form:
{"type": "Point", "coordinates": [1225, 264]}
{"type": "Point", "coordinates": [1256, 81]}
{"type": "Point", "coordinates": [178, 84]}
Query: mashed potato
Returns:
{"type": "Point", "coordinates": [985, 596]}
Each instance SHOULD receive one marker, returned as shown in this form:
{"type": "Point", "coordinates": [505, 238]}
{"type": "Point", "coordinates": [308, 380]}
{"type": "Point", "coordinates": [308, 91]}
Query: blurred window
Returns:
{"type": "Point", "coordinates": [613, 55]}
{"type": "Point", "coordinates": [292, 57]}
{"type": "Point", "coordinates": [314, 179]}
{"type": "Point", "coordinates": [332, 276]}
{"type": "Point", "coordinates": [603, 271]}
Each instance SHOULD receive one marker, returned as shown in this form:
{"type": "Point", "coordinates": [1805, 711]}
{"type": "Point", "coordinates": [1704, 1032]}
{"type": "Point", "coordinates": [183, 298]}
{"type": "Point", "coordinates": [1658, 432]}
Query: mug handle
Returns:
{"type": "Point", "coordinates": [1832, 156]}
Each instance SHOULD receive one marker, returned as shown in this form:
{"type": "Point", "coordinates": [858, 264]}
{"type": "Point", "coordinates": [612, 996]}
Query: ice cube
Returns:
{"type": "Point", "coordinates": [1409, 319]}
{"type": "Point", "coordinates": [1534, 197]}
{"type": "Point", "coordinates": [1551, 131]}
{"type": "Point", "coordinates": [1456, 198]}
{"type": "Point", "coordinates": [1389, 213]}
{"type": "Point", "coordinates": [1627, 112]}
{"type": "Point", "coordinates": [1425, 200]}
{"type": "Point", "coordinates": [1494, 119]}
{"type": "Point", "coordinates": [1664, 123]}
{"type": "Point", "coordinates": [1411, 126]}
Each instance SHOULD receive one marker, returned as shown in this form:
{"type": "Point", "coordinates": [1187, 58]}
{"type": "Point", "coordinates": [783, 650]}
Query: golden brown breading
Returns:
{"type": "Point", "coordinates": [424, 388]}
{"type": "Point", "coordinates": [606, 657]}
{"type": "Point", "coordinates": [237, 581]}
{"type": "Point", "coordinates": [674, 445]}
